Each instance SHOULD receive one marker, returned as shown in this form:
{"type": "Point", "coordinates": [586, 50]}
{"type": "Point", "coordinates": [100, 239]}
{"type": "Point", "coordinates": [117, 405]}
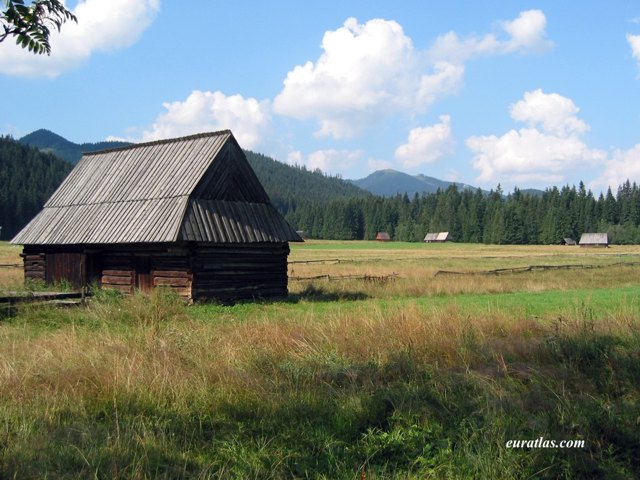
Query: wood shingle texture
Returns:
{"type": "Point", "coordinates": [186, 213]}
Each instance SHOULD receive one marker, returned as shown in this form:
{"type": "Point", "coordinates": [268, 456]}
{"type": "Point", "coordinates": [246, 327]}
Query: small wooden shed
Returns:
{"type": "Point", "coordinates": [438, 237]}
{"type": "Point", "coordinates": [188, 214]}
{"type": "Point", "coordinates": [594, 240]}
{"type": "Point", "coordinates": [568, 241]}
{"type": "Point", "coordinates": [383, 237]}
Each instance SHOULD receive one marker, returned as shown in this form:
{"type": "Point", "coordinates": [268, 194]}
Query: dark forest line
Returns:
{"type": "Point", "coordinates": [477, 217]}
{"type": "Point", "coordinates": [28, 177]}
{"type": "Point", "coordinates": [328, 207]}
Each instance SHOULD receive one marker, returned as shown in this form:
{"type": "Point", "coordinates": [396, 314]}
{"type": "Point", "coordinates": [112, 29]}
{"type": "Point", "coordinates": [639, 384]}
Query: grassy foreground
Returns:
{"type": "Point", "coordinates": [421, 377]}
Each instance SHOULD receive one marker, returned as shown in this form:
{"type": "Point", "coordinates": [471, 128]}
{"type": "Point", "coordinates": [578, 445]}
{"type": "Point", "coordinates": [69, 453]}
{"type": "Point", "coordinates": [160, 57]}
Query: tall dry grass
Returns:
{"type": "Point", "coordinates": [11, 273]}
{"type": "Point", "coordinates": [150, 346]}
{"type": "Point", "coordinates": [137, 387]}
{"type": "Point", "coordinates": [415, 280]}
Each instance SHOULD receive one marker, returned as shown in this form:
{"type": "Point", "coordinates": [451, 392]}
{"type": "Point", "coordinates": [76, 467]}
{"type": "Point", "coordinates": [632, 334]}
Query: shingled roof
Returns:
{"type": "Point", "coordinates": [196, 188]}
{"type": "Point", "coordinates": [437, 237]}
{"type": "Point", "coordinates": [594, 239]}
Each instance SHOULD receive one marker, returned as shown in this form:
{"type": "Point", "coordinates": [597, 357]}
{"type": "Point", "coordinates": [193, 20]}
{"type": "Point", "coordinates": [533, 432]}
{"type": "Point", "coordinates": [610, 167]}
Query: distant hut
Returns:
{"type": "Point", "coordinates": [430, 237]}
{"type": "Point", "coordinates": [439, 237]}
{"type": "Point", "coordinates": [568, 241]}
{"type": "Point", "coordinates": [188, 214]}
{"type": "Point", "coordinates": [594, 240]}
{"type": "Point", "coordinates": [383, 237]}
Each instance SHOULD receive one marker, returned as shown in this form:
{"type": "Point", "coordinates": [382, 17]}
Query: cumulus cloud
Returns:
{"type": "Point", "coordinates": [363, 72]}
{"type": "Point", "coordinates": [445, 78]}
{"type": "Point", "coordinates": [427, 144]}
{"type": "Point", "coordinates": [525, 34]}
{"type": "Point", "coordinates": [541, 153]}
{"type": "Point", "coordinates": [551, 112]}
{"type": "Point", "coordinates": [528, 155]}
{"type": "Point", "coordinates": [102, 26]}
{"type": "Point", "coordinates": [295, 158]}
{"type": "Point", "coordinates": [634, 43]}
{"type": "Point", "coordinates": [330, 160]}
{"type": "Point", "coordinates": [368, 72]}
{"type": "Point", "coordinates": [206, 111]}
{"type": "Point", "coordinates": [624, 165]}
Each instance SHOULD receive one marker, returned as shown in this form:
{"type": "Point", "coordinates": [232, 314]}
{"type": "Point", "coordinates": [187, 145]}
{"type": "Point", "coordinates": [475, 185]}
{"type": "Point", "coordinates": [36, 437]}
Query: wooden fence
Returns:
{"type": "Point", "coordinates": [531, 268]}
{"type": "Point", "coordinates": [366, 278]}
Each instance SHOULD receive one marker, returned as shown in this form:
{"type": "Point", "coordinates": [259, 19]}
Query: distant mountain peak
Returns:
{"type": "Point", "coordinates": [42, 132]}
{"type": "Point", "coordinates": [49, 141]}
{"type": "Point", "coordinates": [389, 182]}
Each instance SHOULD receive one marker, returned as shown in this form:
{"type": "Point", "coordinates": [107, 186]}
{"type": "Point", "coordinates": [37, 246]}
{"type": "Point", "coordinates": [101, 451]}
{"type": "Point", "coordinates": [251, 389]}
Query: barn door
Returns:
{"type": "Point", "coordinates": [143, 274]}
{"type": "Point", "coordinates": [66, 266]}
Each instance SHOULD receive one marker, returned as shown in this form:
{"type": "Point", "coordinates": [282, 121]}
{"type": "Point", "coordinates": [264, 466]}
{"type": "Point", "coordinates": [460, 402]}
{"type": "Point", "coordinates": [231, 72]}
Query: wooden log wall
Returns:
{"type": "Point", "coordinates": [35, 266]}
{"type": "Point", "coordinates": [174, 272]}
{"type": "Point", "coordinates": [237, 272]}
{"type": "Point", "coordinates": [200, 272]}
{"type": "Point", "coordinates": [167, 271]}
{"type": "Point", "coordinates": [118, 272]}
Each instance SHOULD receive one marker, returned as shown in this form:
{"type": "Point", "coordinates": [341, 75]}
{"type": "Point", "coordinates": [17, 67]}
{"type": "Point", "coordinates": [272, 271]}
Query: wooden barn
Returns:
{"type": "Point", "coordinates": [594, 240]}
{"type": "Point", "coordinates": [383, 237]}
{"type": "Point", "coordinates": [188, 214]}
{"type": "Point", "coordinates": [438, 237]}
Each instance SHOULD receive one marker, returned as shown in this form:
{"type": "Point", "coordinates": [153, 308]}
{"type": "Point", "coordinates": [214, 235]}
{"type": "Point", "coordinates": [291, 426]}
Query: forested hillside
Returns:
{"type": "Point", "coordinates": [474, 216]}
{"type": "Point", "coordinates": [72, 152]}
{"type": "Point", "coordinates": [290, 188]}
{"type": "Point", "coordinates": [27, 178]}
{"type": "Point", "coordinates": [331, 208]}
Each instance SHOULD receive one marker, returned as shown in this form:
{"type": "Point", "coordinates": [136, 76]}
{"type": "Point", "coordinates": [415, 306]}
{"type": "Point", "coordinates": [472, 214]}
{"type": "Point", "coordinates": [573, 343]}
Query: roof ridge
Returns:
{"type": "Point", "coordinates": [160, 142]}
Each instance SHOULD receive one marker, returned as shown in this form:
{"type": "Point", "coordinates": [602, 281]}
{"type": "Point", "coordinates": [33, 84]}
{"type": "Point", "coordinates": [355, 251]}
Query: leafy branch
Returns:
{"type": "Point", "coordinates": [31, 23]}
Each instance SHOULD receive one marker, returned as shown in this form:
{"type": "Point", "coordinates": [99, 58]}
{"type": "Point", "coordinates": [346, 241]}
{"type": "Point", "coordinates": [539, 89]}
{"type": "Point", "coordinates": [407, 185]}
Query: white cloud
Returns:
{"type": "Point", "coordinates": [524, 34]}
{"type": "Point", "coordinates": [102, 26]}
{"type": "Point", "coordinates": [328, 161]}
{"type": "Point", "coordinates": [552, 112]}
{"type": "Point", "coordinates": [295, 158]}
{"type": "Point", "coordinates": [624, 165]}
{"type": "Point", "coordinates": [527, 32]}
{"type": "Point", "coordinates": [634, 43]}
{"type": "Point", "coordinates": [247, 118]}
{"type": "Point", "coordinates": [427, 144]}
{"type": "Point", "coordinates": [369, 72]}
{"type": "Point", "coordinates": [364, 72]}
{"type": "Point", "coordinates": [451, 48]}
{"type": "Point", "coordinates": [542, 153]}
{"type": "Point", "coordinates": [528, 155]}
{"type": "Point", "coordinates": [446, 78]}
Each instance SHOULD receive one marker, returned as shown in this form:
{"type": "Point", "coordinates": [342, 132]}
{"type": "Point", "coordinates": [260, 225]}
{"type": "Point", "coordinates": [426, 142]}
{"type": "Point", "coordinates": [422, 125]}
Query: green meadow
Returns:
{"type": "Point", "coordinates": [377, 365]}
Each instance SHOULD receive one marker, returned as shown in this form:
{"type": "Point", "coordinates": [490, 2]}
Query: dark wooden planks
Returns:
{"type": "Point", "coordinates": [240, 272]}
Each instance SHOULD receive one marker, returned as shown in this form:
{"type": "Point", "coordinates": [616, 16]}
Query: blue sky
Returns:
{"type": "Point", "coordinates": [527, 94]}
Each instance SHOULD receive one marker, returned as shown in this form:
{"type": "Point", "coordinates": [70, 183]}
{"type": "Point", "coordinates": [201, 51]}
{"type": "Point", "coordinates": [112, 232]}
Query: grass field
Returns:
{"type": "Point", "coordinates": [380, 369]}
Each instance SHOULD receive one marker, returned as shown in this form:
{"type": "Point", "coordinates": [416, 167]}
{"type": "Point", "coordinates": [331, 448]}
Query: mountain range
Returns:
{"type": "Point", "coordinates": [389, 183]}
{"type": "Point", "coordinates": [386, 183]}
{"type": "Point", "coordinates": [286, 185]}
{"type": "Point", "coordinates": [47, 141]}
